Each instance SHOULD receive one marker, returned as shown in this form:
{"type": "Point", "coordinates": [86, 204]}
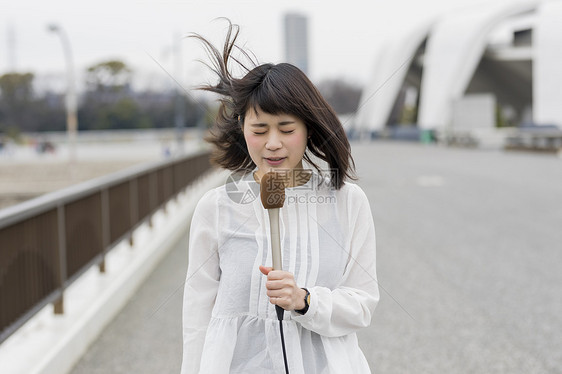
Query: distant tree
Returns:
{"type": "Point", "coordinates": [110, 103]}
{"type": "Point", "coordinates": [106, 103]}
{"type": "Point", "coordinates": [49, 113]}
{"type": "Point", "coordinates": [341, 95]}
{"type": "Point", "coordinates": [194, 112]}
{"type": "Point", "coordinates": [16, 87]}
{"type": "Point", "coordinates": [16, 97]}
{"type": "Point", "coordinates": [160, 108]}
{"type": "Point", "coordinates": [211, 115]}
{"type": "Point", "coordinates": [124, 114]}
{"type": "Point", "coordinates": [108, 76]}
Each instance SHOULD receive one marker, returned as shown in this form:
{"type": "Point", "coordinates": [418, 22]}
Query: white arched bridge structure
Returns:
{"type": "Point", "coordinates": [492, 61]}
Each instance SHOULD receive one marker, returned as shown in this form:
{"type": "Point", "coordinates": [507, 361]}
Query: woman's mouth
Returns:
{"type": "Point", "coordinates": [274, 161]}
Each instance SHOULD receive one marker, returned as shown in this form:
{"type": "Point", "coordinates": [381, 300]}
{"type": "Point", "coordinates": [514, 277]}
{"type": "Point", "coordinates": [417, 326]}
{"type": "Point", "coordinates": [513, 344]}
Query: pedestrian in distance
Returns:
{"type": "Point", "coordinates": [273, 118]}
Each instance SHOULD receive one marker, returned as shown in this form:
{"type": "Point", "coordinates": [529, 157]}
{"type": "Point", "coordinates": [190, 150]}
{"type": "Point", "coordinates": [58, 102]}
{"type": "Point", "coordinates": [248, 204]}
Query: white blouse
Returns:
{"type": "Point", "coordinates": [328, 243]}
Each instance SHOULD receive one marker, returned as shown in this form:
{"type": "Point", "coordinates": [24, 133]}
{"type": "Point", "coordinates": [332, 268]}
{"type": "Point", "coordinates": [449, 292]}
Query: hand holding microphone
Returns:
{"type": "Point", "coordinates": [283, 290]}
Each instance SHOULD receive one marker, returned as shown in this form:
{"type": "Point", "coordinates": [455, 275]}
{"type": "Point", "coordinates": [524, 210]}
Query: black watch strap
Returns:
{"type": "Point", "coordinates": [306, 303]}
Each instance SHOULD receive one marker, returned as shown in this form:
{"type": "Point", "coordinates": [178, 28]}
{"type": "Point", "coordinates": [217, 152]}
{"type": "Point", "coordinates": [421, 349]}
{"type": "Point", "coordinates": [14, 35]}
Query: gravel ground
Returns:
{"type": "Point", "coordinates": [20, 181]}
{"type": "Point", "coordinates": [469, 251]}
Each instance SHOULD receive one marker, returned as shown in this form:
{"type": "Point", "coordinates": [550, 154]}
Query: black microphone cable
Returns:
{"type": "Point", "coordinates": [280, 311]}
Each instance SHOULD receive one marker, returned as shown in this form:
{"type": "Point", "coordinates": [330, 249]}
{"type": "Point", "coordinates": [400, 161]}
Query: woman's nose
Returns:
{"type": "Point", "coordinates": [273, 142]}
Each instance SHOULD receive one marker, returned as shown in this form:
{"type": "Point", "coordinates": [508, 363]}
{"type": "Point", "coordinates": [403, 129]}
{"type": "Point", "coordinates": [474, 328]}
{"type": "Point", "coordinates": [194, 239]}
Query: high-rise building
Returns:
{"type": "Point", "coordinates": [296, 40]}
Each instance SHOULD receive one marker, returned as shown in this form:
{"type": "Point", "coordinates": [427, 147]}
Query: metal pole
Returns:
{"type": "Point", "coordinates": [71, 100]}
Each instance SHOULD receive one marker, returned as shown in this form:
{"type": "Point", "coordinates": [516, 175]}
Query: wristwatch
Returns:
{"type": "Point", "coordinates": [306, 303]}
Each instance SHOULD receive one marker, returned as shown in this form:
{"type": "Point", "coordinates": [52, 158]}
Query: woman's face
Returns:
{"type": "Point", "coordinates": [275, 141]}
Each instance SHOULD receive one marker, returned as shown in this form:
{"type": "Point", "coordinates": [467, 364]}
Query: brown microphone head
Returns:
{"type": "Point", "coordinates": [272, 190]}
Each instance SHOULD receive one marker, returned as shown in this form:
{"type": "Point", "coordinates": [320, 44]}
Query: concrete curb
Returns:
{"type": "Point", "coordinates": [50, 344]}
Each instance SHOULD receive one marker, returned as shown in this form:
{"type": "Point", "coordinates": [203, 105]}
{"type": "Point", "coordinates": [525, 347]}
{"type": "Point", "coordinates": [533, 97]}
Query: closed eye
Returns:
{"type": "Point", "coordinates": [288, 132]}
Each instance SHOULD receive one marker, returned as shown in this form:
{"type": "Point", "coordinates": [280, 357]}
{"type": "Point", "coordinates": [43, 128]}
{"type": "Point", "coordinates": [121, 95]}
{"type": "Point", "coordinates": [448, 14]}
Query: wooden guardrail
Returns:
{"type": "Point", "coordinates": [48, 242]}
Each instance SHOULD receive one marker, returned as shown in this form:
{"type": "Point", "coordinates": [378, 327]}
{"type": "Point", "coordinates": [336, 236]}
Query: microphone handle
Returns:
{"type": "Point", "coordinates": [276, 252]}
{"type": "Point", "coordinates": [275, 238]}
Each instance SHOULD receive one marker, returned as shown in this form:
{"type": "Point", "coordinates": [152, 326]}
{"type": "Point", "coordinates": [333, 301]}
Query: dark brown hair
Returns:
{"type": "Point", "coordinates": [275, 89]}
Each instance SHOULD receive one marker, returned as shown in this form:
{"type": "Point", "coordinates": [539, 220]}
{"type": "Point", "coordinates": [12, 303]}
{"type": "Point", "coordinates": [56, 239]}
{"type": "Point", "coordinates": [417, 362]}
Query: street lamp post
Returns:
{"type": "Point", "coordinates": [71, 100]}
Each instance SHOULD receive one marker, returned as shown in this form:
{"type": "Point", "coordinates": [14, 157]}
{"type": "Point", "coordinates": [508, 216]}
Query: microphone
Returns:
{"type": "Point", "coordinates": [272, 193]}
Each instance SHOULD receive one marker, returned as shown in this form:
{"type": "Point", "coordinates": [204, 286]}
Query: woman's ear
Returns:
{"type": "Point", "coordinates": [241, 123]}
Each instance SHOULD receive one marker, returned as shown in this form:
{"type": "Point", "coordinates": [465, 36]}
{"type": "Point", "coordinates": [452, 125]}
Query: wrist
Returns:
{"type": "Point", "coordinates": [301, 295]}
{"type": "Point", "coordinates": [305, 303]}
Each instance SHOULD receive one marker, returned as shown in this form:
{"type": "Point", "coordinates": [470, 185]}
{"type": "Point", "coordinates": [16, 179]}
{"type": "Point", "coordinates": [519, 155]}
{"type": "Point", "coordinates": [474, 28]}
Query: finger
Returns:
{"type": "Point", "coordinates": [279, 301]}
{"type": "Point", "coordinates": [282, 284]}
{"type": "Point", "coordinates": [281, 293]}
{"type": "Point", "coordinates": [277, 292]}
{"type": "Point", "coordinates": [275, 284]}
{"type": "Point", "coordinates": [279, 274]}
{"type": "Point", "coordinates": [265, 270]}
{"type": "Point", "coordinates": [274, 275]}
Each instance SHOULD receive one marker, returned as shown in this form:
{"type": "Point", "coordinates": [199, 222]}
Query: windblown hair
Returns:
{"type": "Point", "coordinates": [275, 89]}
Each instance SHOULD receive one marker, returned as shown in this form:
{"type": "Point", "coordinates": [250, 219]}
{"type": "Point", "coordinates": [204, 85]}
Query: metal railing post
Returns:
{"type": "Point", "coordinates": [105, 226]}
{"type": "Point", "coordinates": [134, 203]}
{"type": "Point", "coordinates": [61, 224]}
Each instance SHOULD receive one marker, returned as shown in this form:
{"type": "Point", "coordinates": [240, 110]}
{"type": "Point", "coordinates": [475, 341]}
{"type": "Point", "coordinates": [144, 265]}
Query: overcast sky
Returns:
{"type": "Point", "coordinates": [343, 35]}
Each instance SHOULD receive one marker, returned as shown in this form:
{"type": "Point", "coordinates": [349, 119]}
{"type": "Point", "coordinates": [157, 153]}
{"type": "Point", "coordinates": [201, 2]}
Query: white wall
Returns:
{"type": "Point", "coordinates": [476, 111]}
{"type": "Point", "coordinates": [547, 65]}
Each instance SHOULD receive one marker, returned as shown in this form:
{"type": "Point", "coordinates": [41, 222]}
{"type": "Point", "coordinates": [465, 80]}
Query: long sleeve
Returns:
{"type": "Point", "coordinates": [202, 281]}
{"type": "Point", "coordinates": [348, 307]}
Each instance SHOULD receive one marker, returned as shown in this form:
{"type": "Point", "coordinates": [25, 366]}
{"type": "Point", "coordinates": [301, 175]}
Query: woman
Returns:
{"type": "Point", "coordinates": [274, 119]}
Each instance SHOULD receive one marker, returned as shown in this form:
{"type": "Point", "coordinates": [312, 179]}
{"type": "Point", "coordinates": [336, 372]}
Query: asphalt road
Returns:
{"type": "Point", "coordinates": [469, 256]}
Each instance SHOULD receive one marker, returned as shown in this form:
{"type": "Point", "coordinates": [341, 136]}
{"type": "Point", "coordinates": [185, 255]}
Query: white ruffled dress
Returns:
{"type": "Point", "coordinates": [327, 242]}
